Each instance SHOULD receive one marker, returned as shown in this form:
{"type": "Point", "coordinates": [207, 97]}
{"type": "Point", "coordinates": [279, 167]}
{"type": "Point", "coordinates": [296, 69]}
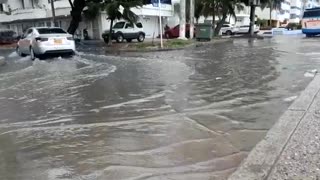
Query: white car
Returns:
{"type": "Point", "coordinates": [40, 41]}
{"type": "Point", "coordinates": [229, 29]}
{"type": "Point", "coordinates": [245, 29]}
{"type": "Point", "coordinates": [125, 30]}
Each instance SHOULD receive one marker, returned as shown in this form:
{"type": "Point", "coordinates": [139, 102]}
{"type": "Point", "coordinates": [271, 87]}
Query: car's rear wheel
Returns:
{"type": "Point", "coordinates": [129, 40]}
{"type": "Point", "coordinates": [106, 39]}
{"type": "Point", "coordinates": [141, 37]}
{"type": "Point", "coordinates": [18, 51]}
{"type": "Point", "coordinates": [32, 54]}
{"type": "Point", "coordinates": [229, 33]}
{"type": "Point", "coordinates": [119, 38]}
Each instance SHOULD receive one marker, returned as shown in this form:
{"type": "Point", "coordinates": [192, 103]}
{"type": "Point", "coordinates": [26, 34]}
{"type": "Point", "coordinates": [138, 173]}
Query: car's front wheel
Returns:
{"type": "Point", "coordinates": [18, 51]}
{"type": "Point", "coordinates": [119, 38]}
{"type": "Point", "coordinates": [141, 37]}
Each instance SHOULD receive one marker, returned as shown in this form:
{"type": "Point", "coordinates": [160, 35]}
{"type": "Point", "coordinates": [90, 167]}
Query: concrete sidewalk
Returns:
{"type": "Point", "coordinates": [291, 149]}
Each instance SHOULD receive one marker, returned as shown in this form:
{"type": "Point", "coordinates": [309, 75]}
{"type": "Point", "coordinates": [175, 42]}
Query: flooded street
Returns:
{"type": "Point", "coordinates": [183, 115]}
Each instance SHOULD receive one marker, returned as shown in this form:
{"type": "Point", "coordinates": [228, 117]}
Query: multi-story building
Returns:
{"type": "Point", "coordinates": [284, 11]}
{"type": "Point", "coordinates": [310, 4]}
{"type": "Point", "coordinates": [296, 11]}
{"type": "Point", "coordinates": [19, 15]}
{"type": "Point", "coordinates": [291, 11]}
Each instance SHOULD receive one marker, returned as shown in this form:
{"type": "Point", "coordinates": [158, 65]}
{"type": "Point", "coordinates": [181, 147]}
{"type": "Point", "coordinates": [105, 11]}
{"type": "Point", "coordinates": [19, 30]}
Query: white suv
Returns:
{"type": "Point", "coordinates": [125, 30]}
{"type": "Point", "coordinates": [40, 41]}
{"type": "Point", "coordinates": [229, 29]}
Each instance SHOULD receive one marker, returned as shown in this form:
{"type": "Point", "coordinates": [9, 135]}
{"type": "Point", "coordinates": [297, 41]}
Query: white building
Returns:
{"type": "Point", "coordinates": [311, 4]}
{"type": "Point", "coordinates": [296, 11]}
{"type": "Point", "coordinates": [22, 14]}
{"type": "Point", "coordinates": [284, 12]}
{"type": "Point", "coordinates": [291, 11]}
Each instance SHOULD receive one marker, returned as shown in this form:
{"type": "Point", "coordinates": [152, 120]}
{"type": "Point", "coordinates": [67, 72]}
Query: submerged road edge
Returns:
{"type": "Point", "coordinates": [264, 156]}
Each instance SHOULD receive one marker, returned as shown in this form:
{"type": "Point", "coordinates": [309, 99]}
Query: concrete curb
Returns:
{"type": "Point", "coordinates": [261, 160]}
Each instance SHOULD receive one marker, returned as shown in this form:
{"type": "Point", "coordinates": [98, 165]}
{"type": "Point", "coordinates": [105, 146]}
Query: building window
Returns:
{"type": "Point", "coordinates": [41, 24]}
{"type": "Point", "coordinates": [293, 16]}
{"type": "Point", "coordinates": [295, 7]}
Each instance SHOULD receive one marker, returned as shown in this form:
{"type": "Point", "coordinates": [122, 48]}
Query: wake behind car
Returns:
{"type": "Point", "coordinates": [125, 30]}
{"type": "Point", "coordinates": [41, 41]}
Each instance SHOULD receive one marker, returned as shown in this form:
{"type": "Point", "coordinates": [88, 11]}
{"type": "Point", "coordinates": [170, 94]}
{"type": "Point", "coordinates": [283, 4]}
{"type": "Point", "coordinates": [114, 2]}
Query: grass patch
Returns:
{"type": "Point", "coordinates": [168, 44]}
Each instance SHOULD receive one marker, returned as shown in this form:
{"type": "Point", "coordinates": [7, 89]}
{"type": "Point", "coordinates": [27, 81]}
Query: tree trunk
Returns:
{"type": "Point", "coordinates": [182, 30]}
{"type": "Point", "coordinates": [220, 23]}
{"type": "Point", "coordinates": [110, 32]}
{"type": "Point", "coordinates": [214, 17]}
{"type": "Point", "coordinates": [270, 15]}
{"type": "Point", "coordinates": [76, 12]}
{"type": "Point", "coordinates": [252, 19]}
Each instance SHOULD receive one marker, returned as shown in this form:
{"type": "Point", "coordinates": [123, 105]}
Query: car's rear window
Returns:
{"type": "Point", "coordinates": [139, 25]}
{"type": "Point", "coordinates": [51, 31]}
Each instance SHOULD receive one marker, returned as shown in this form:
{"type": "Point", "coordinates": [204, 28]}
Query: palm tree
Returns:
{"type": "Point", "coordinates": [225, 8]}
{"type": "Point", "coordinates": [272, 5]}
{"type": "Point", "coordinates": [121, 9]}
{"type": "Point", "coordinates": [112, 7]}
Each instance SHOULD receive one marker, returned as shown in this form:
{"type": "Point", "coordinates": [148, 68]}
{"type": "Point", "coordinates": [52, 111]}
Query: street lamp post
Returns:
{"type": "Point", "coordinates": [53, 14]}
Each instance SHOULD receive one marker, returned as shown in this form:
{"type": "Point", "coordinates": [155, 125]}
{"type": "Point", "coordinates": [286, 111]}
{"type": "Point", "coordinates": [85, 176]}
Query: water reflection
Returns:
{"type": "Point", "coordinates": [190, 114]}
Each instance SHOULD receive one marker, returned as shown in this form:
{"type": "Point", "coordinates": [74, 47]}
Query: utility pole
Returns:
{"type": "Point", "coordinates": [182, 31]}
{"type": "Point", "coordinates": [160, 24]}
{"type": "Point", "coordinates": [53, 14]}
{"type": "Point", "coordinates": [252, 18]}
{"type": "Point", "coordinates": [191, 30]}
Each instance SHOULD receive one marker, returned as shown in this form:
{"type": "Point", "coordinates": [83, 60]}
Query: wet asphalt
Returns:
{"type": "Point", "coordinates": [187, 114]}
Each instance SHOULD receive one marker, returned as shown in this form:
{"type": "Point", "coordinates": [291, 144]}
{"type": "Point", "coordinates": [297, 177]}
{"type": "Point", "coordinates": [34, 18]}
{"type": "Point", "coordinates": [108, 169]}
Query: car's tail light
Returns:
{"type": "Point", "coordinates": [70, 38]}
{"type": "Point", "coordinates": [41, 39]}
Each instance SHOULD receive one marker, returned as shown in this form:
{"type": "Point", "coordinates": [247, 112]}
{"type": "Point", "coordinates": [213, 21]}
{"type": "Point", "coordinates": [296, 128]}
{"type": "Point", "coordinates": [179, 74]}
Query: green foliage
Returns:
{"type": "Point", "coordinates": [121, 9]}
{"type": "Point", "coordinates": [262, 22]}
{"type": "Point", "coordinates": [93, 10]}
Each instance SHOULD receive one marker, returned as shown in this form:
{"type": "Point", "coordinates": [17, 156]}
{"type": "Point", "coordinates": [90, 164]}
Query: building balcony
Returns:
{"type": "Point", "coordinates": [23, 14]}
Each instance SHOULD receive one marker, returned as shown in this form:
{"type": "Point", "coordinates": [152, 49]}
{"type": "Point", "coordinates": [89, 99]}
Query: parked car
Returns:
{"type": "Point", "coordinates": [175, 32]}
{"type": "Point", "coordinates": [41, 41]}
{"type": "Point", "coordinates": [125, 30]}
{"type": "Point", "coordinates": [229, 29]}
{"type": "Point", "coordinates": [245, 29]}
{"type": "Point", "coordinates": [8, 36]}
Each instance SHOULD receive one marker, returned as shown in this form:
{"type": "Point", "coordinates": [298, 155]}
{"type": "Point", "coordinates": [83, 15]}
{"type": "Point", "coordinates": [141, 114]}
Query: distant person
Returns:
{"type": "Point", "coordinates": [85, 34]}
{"type": "Point", "coordinates": [166, 27]}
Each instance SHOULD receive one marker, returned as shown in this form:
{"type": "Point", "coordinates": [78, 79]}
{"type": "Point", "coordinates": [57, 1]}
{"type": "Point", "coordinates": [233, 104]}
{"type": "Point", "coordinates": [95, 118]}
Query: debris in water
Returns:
{"type": "Point", "coordinates": [218, 78]}
{"type": "Point", "coordinates": [313, 71]}
{"type": "Point", "coordinates": [308, 74]}
{"type": "Point", "coordinates": [289, 99]}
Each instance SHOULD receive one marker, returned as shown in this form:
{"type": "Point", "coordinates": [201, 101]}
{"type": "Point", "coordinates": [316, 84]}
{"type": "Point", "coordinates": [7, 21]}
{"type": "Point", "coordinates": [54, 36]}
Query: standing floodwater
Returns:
{"type": "Point", "coordinates": [182, 115]}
